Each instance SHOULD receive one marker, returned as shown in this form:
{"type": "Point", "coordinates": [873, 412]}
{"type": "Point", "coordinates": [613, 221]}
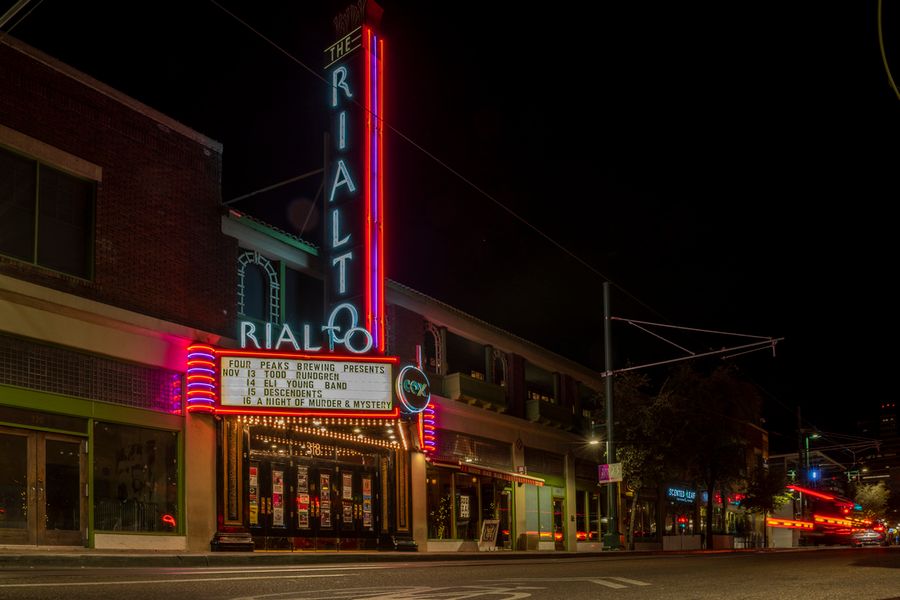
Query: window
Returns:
{"type": "Point", "coordinates": [135, 478]}
{"type": "Point", "coordinates": [304, 301]}
{"type": "Point", "coordinates": [539, 384]}
{"type": "Point", "coordinates": [46, 215]}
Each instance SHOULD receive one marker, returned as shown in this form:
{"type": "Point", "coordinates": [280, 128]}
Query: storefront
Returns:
{"type": "Point", "coordinates": [314, 483]}
{"type": "Point", "coordinates": [313, 450]}
{"type": "Point", "coordinates": [101, 463]}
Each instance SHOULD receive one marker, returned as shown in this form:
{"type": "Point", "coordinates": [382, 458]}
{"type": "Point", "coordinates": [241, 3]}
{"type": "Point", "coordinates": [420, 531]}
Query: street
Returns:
{"type": "Point", "coordinates": [861, 574]}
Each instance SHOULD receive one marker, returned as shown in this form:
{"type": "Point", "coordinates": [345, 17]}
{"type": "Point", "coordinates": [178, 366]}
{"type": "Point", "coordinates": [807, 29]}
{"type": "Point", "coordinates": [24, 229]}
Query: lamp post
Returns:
{"type": "Point", "coordinates": [612, 493]}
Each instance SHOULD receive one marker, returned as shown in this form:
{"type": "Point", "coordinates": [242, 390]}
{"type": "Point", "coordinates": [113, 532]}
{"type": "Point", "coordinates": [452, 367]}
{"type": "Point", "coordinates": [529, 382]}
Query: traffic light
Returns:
{"type": "Point", "coordinates": [682, 522]}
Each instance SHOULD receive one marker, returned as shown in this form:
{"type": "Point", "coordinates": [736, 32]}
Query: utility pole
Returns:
{"type": "Point", "coordinates": [801, 460]}
{"type": "Point", "coordinates": [612, 489]}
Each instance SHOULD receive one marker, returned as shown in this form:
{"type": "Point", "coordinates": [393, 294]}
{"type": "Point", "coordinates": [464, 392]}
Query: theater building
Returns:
{"type": "Point", "coordinates": [176, 376]}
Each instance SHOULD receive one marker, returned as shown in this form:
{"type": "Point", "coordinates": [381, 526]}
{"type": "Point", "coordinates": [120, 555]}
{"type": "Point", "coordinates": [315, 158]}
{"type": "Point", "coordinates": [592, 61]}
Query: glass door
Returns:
{"type": "Point", "coordinates": [42, 488]}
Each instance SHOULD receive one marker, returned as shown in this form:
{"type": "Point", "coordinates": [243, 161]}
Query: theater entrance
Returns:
{"type": "Point", "coordinates": [314, 492]}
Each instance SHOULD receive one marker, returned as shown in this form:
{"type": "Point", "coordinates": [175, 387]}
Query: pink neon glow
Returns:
{"type": "Point", "coordinates": [373, 101]}
{"type": "Point", "coordinates": [201, 389]}
{"type": "Point", "coordinates": [428, 428]}
{"type": "Point", "coordinates": [379, 299]}
{"type": "Point", "coordinates": [348, 357]}
{"type": "Point", "coordinates": [292, 413]}
{"type": "Point", "coordinates": [813, 493]}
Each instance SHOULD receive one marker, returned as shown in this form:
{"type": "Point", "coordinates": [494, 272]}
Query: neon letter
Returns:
{"type": "Point", "coordinates": [341, 177]}
{"type": "Point", "coordinates": [342, 131]}
{"type": "Point", "coordinates": [307, 344]}
{"type": "Point", "coordinates": [331, 328]}
{"type": "Point", "coordinates": [287, 336]}
{"type": "Point", "coordinates": [268, 336]}
{"type": "Point", "coordinates": [248, 332]}
{"type": "Point", "coordinates": [335, 230]}
{"type": "Point", "coordinates": [339, 80]}
{"type": "Point", "coordinates": [342, 270]}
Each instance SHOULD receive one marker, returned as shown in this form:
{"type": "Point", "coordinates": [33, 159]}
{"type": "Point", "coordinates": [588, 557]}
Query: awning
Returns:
{"type": "Point", "coordinates": [489, 472]}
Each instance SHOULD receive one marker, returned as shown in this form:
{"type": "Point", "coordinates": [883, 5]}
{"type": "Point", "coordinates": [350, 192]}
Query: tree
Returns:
{"type": "Point", "coordinates": [874, 500]}
{"type": "Point", "coordinates": [765, 494]}
{"type": "Point", "coordinates": [641, 445]}
{"type": "Point", "coordinates": [711, 411]}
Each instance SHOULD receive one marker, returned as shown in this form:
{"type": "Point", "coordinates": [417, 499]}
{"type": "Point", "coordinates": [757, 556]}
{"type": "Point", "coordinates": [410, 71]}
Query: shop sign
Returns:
{"type": "Point", "coordinates": [354, 183]}
{"type": "Point", "coordinates": [610, 473]}
{"type": "Point", "coordinates": [413, 389]}
{"type": "Point", "coordinates": [681, 494]}
{"type": "Point", "coordinates": [316, 385]}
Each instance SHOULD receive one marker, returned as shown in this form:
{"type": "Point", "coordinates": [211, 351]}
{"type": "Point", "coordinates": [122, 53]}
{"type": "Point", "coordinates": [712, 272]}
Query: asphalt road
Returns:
{"type": "Point", "coordinates": [857, 574]}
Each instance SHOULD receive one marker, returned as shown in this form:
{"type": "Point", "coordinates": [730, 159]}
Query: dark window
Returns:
{"type": "Point", "coordinates": [17, 193]}
{"type": "Point", "coordinates": [465, 356]}
{"type": "Point", "coordinates": [539, 384]}
{"type": "Point", "coordinates": [135, 478]}
{"type": "Point", "coordinates": [46, 216]}
{"type": "Point", "coordinates": [304, 300]}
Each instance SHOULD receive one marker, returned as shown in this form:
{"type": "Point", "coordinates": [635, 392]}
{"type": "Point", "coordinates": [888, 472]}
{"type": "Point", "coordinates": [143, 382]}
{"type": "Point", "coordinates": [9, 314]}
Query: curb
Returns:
{"type": "Point", "coordinates": [114, 559]}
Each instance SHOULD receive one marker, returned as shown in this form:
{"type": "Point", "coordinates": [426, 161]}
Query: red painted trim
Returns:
{"type": "Point", "coordinates": [330, 357]}
{"type": "Point", "coordinates": [286, 413]}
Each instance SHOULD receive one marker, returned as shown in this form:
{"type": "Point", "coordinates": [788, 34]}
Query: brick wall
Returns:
{"type": "Point", "coordinates": [406, 329]}
{"type": "Point", "coordinates": [158, 246]}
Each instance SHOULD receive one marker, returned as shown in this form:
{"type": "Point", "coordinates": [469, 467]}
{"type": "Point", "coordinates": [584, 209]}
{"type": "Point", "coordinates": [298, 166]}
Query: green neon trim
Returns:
{"type": "Point", "coordinates": [90, 474]}
{"type": "Point", "coordinates": [274, 233]}
{"type": "Point", "coordinates": [80, 407]}
{"type": "Point", "coordinates": [43, 429]}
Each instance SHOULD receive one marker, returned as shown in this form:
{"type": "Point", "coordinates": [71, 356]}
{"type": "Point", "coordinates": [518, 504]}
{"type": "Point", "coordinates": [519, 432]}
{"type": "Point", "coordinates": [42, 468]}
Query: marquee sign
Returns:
{"type": "Point", "coordinates": [299, 384]}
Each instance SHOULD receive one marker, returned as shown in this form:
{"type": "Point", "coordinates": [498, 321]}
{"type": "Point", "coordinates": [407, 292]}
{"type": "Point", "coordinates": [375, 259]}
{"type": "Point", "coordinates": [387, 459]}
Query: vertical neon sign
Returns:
{"type": "Point", "coordinates": [354, 212]}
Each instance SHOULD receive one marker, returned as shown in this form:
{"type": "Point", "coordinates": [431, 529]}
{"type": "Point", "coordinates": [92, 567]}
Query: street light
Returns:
{"type": "Point", "coordinates": [810, 436]}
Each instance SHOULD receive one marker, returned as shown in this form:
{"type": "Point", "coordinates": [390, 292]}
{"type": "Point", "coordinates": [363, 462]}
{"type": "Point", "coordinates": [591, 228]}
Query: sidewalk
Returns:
{"type": "Point", "coordinates": [54, 557]}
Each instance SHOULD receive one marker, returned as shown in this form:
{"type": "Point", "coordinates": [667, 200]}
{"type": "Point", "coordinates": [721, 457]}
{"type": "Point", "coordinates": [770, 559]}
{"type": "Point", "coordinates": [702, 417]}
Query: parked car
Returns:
{"type": "Point", "coordinates": [867, 537]}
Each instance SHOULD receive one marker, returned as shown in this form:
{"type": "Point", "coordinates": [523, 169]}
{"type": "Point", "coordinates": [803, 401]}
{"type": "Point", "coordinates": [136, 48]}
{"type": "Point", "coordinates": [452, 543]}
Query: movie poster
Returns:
{"type": "Point", "coordinates": [367, 502]}
{"type": "Point", "coordinates": [325, 512]}
{"type": "Point", "coordinates": [254, 496]}
{"type": "Point", "coordinates": [277, 498]}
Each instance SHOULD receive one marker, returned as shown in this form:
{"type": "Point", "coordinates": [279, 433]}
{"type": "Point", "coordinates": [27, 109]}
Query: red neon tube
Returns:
{"type": "Point", "coordinates": [287, 413]}
{"type": "Point", "coordinates": [298, 356]}
{"type": "Point", "coordinates": [811, 492]}
{"type": "Point", "coordinates": [379, 300]}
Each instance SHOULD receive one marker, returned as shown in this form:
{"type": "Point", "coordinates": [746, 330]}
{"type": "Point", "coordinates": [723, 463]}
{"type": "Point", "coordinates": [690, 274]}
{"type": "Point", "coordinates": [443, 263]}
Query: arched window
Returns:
{"type": "Point", "coordinates": [500, 366]}
{"type": "Point", "coordinates": [431, 348]}
{"type": "Point", "coordinates": [258, 287]}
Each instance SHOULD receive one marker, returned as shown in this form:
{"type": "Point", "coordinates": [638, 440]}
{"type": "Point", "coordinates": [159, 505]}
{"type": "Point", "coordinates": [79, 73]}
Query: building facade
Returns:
{"type": "Point", "coordinates": [128, 296]}
{"type": "Point", "coordinates": [110, 217]}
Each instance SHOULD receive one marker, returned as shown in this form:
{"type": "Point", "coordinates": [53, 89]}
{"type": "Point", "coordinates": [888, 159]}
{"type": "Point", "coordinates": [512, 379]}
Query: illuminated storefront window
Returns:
{"type": "Point", "coordinates": [135, 478]}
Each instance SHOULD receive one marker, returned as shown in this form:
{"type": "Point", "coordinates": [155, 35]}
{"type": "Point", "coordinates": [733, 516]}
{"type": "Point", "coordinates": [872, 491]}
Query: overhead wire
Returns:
{"type": "Point", "coordinates": [443, 164]}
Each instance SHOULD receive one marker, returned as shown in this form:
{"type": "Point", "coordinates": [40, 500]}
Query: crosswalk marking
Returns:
{"type": "Point", "coordinates": [610, 582]}
{"type": "Point", "coordinates": [631, 581]}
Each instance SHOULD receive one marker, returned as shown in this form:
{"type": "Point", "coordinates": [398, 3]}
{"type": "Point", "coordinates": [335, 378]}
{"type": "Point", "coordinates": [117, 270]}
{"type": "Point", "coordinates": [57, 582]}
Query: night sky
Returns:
{"type": "Point", "coordinates": [731, 168]}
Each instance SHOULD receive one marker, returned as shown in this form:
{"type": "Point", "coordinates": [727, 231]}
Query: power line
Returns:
{"type": "Point", "coordinates": [443, 164]}
{"type": "Point", "coordinates": [11, 13]}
